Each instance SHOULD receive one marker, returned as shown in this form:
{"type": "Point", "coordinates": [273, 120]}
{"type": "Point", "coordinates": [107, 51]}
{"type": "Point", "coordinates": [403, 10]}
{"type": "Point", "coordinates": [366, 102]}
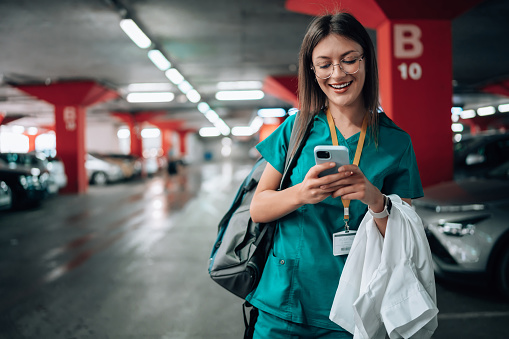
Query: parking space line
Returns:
{"type": "Point", "coordinates": [449, 316]}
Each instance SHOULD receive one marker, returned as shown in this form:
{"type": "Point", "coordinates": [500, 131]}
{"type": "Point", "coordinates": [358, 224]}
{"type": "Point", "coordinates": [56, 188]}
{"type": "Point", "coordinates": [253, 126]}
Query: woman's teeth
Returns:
{"type": "Point", "coordinates": [342, 85]}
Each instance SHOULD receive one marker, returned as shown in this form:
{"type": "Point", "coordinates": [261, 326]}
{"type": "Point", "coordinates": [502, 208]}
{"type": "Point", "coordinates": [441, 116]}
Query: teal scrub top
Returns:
{"type": "Point", "coordinates": [301, 275]}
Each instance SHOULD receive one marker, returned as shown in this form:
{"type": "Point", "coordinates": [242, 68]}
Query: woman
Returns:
{"type": "Point", "coordinates": [338, 76]}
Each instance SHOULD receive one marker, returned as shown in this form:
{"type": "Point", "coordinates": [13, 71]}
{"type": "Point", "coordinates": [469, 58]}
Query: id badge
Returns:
{"type": "Point", "coordinates": [342, 242]}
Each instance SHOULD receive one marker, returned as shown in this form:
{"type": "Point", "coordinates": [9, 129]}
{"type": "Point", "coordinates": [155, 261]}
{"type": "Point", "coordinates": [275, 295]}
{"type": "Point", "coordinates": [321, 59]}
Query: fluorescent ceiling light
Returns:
{"type": "Point", "coordinates": [18, 129]}
{"type": "Point", "coordinates": [174, 76]}
{"type": "Point", "coordinates": [457, 128]}
{"type": "Point", "coordinates": [457, 137]}
{"type": "Point", "coordinates": [149, 87]}
{"type": "Point", "coordinates": [150, 97]}
{"type": "Point", "coordinates": [503, 108]}
{"type": "Point", "coordinates": [468, 114]}
{"type": "Point", "coordinates": [209, 132]}
{"type": "Point", "coordinates": [292, 111]}
{"type": "Point", "coordinates": [135, 33]}
{"type": "Point", "coordinates": [271, 112]}
{"type": "Point", "coordinates": [32, 131]}
{"type": "Point", "coordinates": [242, 131]}
{"type": "Point", "coordinates": [212, 116]}
{"type": "Point", "coordinates": [240, 95]}
{"type": "Point", "coordinates": [226, 85]}
{"type": "Point", "coordinates": [185, 87]}
{"type": "Point", "coordinates": [483, 111]}
{"type": "Point", "coordinates": [256, 124]}
{"type": "Point", "coordinates": [193, 95]}
{"type": "Point", "coordinates": [159, 59]}
{"type": "Point", "coordinates": [456, 110]}
{"type": "Point", "coordinates": [455, 117]}
{"type": "Point", "coordinates": [123, 133]}
{"type": "Point", "coordinates": [223, 127]}
{"type": "Point", "coordinates": [203, 107]}
{"type": "Point", "coordinates": [150, 133]}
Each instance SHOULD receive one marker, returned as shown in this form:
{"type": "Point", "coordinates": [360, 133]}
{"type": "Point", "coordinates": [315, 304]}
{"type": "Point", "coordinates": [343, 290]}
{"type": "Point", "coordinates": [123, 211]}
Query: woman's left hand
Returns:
{"type": "Point", "coordinates": [356, 187]}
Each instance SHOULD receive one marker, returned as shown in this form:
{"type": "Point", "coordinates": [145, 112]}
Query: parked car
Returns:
{"type": "Point", "coordinates": [131, 165]}
{"type": "Point", "coordinates": [57, 176]}
{"type": "Point", "coordinates": [25, 187]}
{"type": "Point", "coordinates": [467, 225]}
{"type": "Point", "coordinates": [102, 172]}
{"type": "Point", "coordinates": [475, 156]}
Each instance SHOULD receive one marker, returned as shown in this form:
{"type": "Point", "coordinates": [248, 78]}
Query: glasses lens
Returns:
{"type": "Point", "coordinates": [351, 64]}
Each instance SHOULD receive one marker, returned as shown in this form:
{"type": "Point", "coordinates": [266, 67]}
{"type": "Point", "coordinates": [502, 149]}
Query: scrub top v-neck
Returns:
{"type": "Point", "coordinates": [301, 275]}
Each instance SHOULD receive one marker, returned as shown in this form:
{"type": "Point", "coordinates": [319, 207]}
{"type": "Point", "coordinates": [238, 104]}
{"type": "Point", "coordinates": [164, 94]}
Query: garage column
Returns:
{"type": "Point", "coordinates": [134, 132]}
{"type": "Point", "coordinates": [416, 89]}
{"type": "Point", "coordinates": [71, 100]}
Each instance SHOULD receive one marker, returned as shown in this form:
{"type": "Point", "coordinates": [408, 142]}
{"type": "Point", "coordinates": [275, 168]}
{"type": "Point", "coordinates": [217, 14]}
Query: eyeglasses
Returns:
{"type": "Point", "coordinates": [349, 65]}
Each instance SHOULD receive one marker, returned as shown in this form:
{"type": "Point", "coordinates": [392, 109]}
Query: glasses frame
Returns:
{"type": "Point", "coordinates": [340, 67]}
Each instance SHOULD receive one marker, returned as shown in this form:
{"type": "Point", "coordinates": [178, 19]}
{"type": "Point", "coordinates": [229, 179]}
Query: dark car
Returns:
{"type": "Point", "coordinates": [467, 224]}
{"type": "Point", "coordinates": [26, 188]}
{"type": "Point", "coordinates": [475, 156]}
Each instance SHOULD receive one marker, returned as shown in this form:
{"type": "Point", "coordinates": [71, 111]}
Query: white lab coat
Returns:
{"type": "Point", "coordinates": [388, 285]}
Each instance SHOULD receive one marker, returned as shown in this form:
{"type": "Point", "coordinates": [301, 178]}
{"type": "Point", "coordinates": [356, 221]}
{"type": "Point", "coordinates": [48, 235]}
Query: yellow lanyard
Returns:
{"type": "Point", "coordinates": [357, 158]}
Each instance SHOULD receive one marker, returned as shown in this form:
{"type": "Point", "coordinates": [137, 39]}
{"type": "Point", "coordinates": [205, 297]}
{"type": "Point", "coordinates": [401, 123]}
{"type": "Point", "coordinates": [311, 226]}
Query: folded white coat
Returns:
{"type": "Point", "coordinates": [387, 284]}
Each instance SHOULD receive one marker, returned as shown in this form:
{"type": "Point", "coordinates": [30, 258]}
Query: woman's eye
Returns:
{"type": "Point", "coordinates": [325, 66]}
{"type": "Point", "coordinates": [350, 61]}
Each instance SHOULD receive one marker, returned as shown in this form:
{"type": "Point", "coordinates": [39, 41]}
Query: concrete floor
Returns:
{"type": "Point", "coordinates": [130, 261]}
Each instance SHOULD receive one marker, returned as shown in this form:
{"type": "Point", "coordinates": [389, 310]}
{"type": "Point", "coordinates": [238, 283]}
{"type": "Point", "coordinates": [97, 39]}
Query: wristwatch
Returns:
{"type": "Point", "coordinates": [386, 211]}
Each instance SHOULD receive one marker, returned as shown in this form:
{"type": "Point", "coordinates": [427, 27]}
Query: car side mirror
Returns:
{"type": "Point", "coordinates": [474, 159]}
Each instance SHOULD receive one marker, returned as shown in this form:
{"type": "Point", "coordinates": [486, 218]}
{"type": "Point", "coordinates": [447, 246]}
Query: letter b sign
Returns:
{"type": "Point", "coordinates": [408, 45]}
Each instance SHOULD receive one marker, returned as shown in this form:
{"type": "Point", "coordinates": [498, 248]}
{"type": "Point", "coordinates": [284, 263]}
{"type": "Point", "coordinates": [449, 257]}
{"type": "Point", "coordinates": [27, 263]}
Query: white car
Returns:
{"type": "Point", "coordinates": [102, 172]}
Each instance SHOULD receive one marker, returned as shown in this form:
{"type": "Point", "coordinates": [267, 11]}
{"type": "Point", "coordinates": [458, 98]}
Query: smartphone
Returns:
{"type": "Point", "coordinates": [336, 154]}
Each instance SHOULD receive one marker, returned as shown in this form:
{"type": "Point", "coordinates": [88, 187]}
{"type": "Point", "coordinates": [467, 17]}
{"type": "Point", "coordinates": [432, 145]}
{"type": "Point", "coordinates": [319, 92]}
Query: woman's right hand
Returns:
{"type": "Point", "coordinates": [310, 191]}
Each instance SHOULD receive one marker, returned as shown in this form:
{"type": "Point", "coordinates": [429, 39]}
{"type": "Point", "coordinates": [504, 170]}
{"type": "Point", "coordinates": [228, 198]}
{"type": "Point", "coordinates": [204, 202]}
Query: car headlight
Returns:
{"type": "Point", "coordinates": [459, 228]}
{"type": "Point", "coordinates": [23, 181]}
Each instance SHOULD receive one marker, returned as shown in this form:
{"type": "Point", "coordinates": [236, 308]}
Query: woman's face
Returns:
{"type": "Point", "coordinates": [341, 89]}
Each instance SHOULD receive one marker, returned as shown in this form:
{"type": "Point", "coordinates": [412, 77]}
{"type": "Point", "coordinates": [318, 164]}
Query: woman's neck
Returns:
{"type": "Point", "coordinates": [348, 120]}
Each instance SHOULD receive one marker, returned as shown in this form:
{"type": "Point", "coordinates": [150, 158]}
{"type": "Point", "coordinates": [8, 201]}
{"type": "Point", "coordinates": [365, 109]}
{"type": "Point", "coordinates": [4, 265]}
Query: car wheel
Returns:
{"type": "Point", "coordinates": [100, 178]}
{"type": "Point", "coordinates": [503, 274]}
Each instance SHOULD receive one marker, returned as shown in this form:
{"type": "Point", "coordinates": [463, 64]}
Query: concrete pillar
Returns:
{"type": "Point", "coordinates": [71, 100]}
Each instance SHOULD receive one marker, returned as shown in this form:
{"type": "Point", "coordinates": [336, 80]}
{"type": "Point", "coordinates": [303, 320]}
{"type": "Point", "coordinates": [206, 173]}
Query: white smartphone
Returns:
{"type": "Point", "coordinates": [336, 154]}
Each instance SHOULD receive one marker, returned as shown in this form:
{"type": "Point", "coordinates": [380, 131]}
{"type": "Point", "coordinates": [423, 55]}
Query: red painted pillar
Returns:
{"type": "Point", "coordinates": [416, 89]}
{"type": "Point", "coordinates": [182, 142]}
{"type": "Point", "coordinates": [71, 100]}
{"type": "Point", "coordinates": [166, 141]}
{"type": "Point", "coordinates": [31, 141]}
{"type": "Point", "coordinates": [134, 132]}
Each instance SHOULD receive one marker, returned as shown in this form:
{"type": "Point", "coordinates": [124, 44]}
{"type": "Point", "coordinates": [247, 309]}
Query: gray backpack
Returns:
{"type": "Point", "coordinates": [241, 248]}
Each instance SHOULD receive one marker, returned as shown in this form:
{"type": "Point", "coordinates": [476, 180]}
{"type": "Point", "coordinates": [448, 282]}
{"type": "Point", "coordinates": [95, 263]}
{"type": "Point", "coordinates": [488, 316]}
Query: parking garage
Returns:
{"type": "Point", "coordinates": [120, 156]}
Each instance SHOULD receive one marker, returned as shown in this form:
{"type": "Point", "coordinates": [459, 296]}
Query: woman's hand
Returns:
{"type": "Point", "coordinates": [353, 185]}
{"type": "Point", "coordinates": [314, 189]}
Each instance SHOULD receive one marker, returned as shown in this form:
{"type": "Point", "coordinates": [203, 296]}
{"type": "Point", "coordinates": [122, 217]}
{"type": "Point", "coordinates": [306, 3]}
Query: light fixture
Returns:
{"type": "Point", "coordinates": [227, 85]}
{"type": "Point", "coordinates": [240, 95]}
{"type": "Point", "coordinates": [150, 133]}
{"type": "Point", "coordinates": [32, 131]}
{"type": "Point", "coordinates": [468, 114]}
{"type": "Point", "coordinates": [203, 107]}
{"type": "Point", "coordinates": [185, 87]}
{"type": "Point", "coordinates": [483, 111]}
{"type": "Point", "coordinates": [193, 95]}
{"type": "Point", "coordinates": [150, 97]}
{"type": "Point", "coordinates": [223, 127]}
{"type": "Point", "coordinates": [457, 128]}
{"type": "Point", "coordinates": [123, 133]}
{"type": "Point", "coordinates": [212, 116]}
{"type": "Point", "coordinates": [271, 112]}
{"type": "Point", "coordinates": [256, 124]}
{"type": "Point", "coordinates": [135, 33]}
{"type": "Point", "coordinates": [209, 132]}
{"type": "Point", "coordinates": [159, 59]}
{"type": "Point", "coordinates": [503, 108]}
{"type": "Point", "coordinates": [242, 131]}
{"type": "Point", "coordinates": [457, 137]}
{"type": "Point", "coordinates": [149, 87]}
{"type": "Point", "coordinates": [174, 76]}
{"type": "Point", "coordinates": [292, 111]}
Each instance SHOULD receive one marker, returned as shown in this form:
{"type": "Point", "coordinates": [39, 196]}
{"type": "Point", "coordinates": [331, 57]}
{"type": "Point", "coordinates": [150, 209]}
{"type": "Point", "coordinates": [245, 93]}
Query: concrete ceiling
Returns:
{"type": "Point", "coordinates": [47, 41]}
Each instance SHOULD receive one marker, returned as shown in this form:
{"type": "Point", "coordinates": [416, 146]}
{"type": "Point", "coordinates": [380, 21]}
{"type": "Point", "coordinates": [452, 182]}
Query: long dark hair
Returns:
{"type": "Point", "coordinates": [311, 97]}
